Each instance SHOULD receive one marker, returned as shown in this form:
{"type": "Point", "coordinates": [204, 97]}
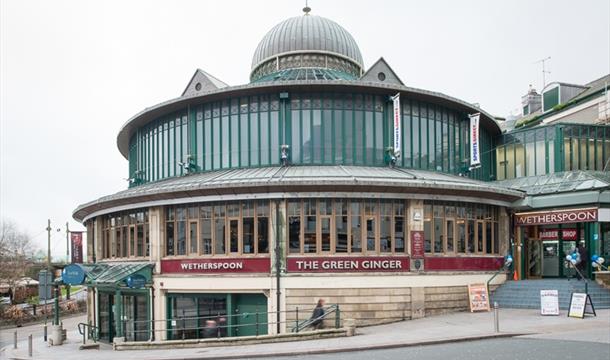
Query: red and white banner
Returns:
{"type": "Point", "coordinates": [417, 244]}
{"type": "Point", "coordinates": [553, 234]}
{"type": "Point", "coordinates": [348, 264]}
{"type": "Point", "coordinates": [397, 125]}
{"type": "Point", "coordinates": [76, 240]}
{"type": "Point", "coordinates": [216, 266]}
{"type": "Point", "coordinates": [475, 154]}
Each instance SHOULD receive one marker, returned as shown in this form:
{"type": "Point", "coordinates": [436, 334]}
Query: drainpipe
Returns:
{"type": "Point", "coordinates": [277, 265]}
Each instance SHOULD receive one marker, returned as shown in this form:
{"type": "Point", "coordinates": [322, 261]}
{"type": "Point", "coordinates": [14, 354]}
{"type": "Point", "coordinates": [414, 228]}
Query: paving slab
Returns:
{"type": "Point", "coordinates": [463, 326]}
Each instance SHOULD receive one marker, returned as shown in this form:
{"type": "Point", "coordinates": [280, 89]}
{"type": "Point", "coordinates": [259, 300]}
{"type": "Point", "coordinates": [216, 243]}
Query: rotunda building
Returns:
{"type": "Point", "coordinates": [317, 179]}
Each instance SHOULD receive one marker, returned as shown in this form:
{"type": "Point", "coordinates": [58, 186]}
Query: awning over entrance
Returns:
{"type": "Point", "coordinates": [112, 275]}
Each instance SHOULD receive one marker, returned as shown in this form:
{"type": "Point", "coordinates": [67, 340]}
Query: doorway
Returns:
{"type": "Point", "coordinates": [106, 316]}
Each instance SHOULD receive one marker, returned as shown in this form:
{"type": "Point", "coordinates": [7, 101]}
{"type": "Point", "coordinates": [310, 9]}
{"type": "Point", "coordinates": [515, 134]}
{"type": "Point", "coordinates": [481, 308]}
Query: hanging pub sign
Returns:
{"type": "Point", "coordinates": [581, 304]}
{"type": "Point", "coordinates": [397, 129]}
{"type": "Point", "coordinates": [475, 154]}
{"type": "Point", "coordinates": [73, 275]}
{"type": "Point", "coordinates": [557, 217]}
{"type": "Point", "coordinates": [76, 239]}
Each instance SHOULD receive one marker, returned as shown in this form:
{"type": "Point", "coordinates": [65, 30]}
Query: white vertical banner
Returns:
{"type": "Point", "coordinates": [475, 154]}
{"type": "Point", "coordinates": [397, 129]}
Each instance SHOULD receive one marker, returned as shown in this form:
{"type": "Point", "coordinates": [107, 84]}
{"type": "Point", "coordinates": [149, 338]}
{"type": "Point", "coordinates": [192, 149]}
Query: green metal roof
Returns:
{"type": "Point", "coordinates": [561, 182]}
{"type": "Point", "coordinates": [306, 74]}
{"type": "Point", "coordinates": [112, 274]}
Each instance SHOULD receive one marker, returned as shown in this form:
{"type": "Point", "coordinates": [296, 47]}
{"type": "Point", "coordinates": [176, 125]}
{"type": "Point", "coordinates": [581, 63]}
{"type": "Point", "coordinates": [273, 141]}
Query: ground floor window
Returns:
{"type": "Point", "coordinates": [196, 316]}
{"type": "Point", "coordinates": [451, 227]}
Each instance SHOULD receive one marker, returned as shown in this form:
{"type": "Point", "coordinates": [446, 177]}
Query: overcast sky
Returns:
{"type": "Point", "coordinates": [72, 72]}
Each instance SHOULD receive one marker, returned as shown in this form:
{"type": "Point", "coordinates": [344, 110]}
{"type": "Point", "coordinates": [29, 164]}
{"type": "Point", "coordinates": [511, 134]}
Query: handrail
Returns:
{"type": "Point", "coordinates": [92, 332]}
{"type": "Point", "coordinates": [331, 309]}
{"type": "Point", "coordinates": [581, 276]}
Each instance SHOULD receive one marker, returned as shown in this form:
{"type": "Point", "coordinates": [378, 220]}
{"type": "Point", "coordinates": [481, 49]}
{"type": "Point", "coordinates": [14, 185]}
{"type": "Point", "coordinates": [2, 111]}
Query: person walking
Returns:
{"type": "Point", "coordinates": [317, 315]}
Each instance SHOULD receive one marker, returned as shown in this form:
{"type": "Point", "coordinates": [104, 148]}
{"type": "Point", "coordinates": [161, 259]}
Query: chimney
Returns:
{"type": "Point", "coordinates": [531, 102]}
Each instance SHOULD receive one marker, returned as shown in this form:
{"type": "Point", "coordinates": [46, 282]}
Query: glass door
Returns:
{"type": "Point", "coordinates": [106, 316]}
{"type": "Point", "coordinates": [550, 258]}
{"type": "Point", "coordinates": [136, 316]}
{"type": "Point", "coordinates": [534, 258]}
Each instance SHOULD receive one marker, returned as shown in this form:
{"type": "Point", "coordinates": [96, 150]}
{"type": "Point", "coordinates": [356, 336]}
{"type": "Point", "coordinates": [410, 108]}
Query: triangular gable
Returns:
{"type": "Point", "coordinates": [202, 82]}
{"type": "Point", "coordinates": [381, 72]}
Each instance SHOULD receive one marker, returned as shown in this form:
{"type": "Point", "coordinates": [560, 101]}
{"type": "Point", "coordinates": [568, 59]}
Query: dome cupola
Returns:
{"type": "Point", "coordinates": [306, 47]}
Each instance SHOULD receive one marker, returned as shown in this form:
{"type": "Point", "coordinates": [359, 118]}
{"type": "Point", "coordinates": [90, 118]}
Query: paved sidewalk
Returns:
{"type": "Point", "coordinates": [439, 329]}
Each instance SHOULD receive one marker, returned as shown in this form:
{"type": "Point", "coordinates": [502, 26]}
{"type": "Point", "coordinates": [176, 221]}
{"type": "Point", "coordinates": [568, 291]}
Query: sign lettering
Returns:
{"type": "Point", "coordinates": [553, 234]}
{"type": "Point", "coordinates": [475, 159]}
{"type": "Point", "coordinates": [417, 244]}
{"type": "Point", "coordinates": [203, 266]}
{"type": "Point", "coordinates": [557, 217]}
{"type": "Point", "coordinates": [348, 264]}
{"type": "Point", "coordinates": [397, 139]}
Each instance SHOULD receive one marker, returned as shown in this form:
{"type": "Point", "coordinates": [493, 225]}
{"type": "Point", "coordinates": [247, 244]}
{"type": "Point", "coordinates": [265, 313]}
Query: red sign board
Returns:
{"type": "Point", "coordinates": [215, 266]}
{"type": "Point", "coordinates": [557, 217]}
{"type": "Point", "coordinates": [348, 264]}
{"type": "Point", "coordinates": [417, 244]}
{"type": "Point", "coordinates": [76, 238]}
{"type": "Point", "coordinates": [553, 234]}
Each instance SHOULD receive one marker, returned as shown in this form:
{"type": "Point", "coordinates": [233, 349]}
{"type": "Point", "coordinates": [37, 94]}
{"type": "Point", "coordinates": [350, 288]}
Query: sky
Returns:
{"type": "Point", "coordinates": [73, 72]}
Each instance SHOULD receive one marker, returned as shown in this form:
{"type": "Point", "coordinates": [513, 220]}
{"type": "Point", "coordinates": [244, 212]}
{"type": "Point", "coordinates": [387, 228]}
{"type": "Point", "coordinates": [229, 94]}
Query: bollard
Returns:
{"type": "Point", "coordinates": [30, 345]}
{"type": "Point", "coordinates": [34, 309]}
{"type": "Point", "coordinates": [496, 317]}
{"type": "Point", "coordinates": [297, 314]}
{"type": "Point", "coordinates": [45, 332]}
{"type": "Point", "coordinates": [15, 339]}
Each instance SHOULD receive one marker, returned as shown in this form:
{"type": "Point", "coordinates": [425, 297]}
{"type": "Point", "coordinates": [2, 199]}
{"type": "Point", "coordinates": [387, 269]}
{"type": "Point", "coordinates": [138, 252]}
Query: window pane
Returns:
{"type": "Point", "coordinates": [339, 136]}
{"type": "Point", "coordinates": [385, 235]}
{"type": "Point", "coordinates": [181, 237]}
{"type": "Point", "coordinates": [206, 236]}
{"type": "Point", "coordinates": [358, 133]}
{"type": "Point", "coordinates": [248, 235]}
{"type": "Point", "coordinates": [193, 237]}
{"type": "Point", "coordinates": [294, 233]}
{"type": "Point", "coordinates": [265, 140]}
{"type": "Point", "coordinates": [450, 235]}
{"type": "Point", "coordinates": [356, 226]}
{"type": "Point", "coordinates": [399, 233]}
{"type": "Point", "coordinates": [488, 237]}
{"type": "Point", "coordinates": [328, 142]}
{"type": "Point", "coordinates": [480, 235]}
{"type": "Point", "coordinates": [341, 229]}
{"type": "Point", "coordinates": [306, 130]}
{"type": "Point", "coordinates": [253, 148]}
{"type": "Point", "coordinates": [370, 234]}
{"type": "Point", "coordinates": [325, 233]}
{"type": "Point", "coordinates": [169, 238]}
{"type": "Point", "coordinates": [438, 235]}
{"type": "Point", "coordinates": [461, 228]}
{"type": "Point", "coordinates": [263, 234]}
{"type": "Point", "coordinates": [317, 135]}
{"type": "Point", "coordinates": [309, 236]}
{"type": "Point", "coordinates": [220, 236]}
{"type": "Point", "coordinates": [296, 136]}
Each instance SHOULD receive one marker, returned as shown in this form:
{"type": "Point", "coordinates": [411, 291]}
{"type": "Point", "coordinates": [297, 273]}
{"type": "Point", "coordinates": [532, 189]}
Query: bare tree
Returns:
{"type": "Point", "coordinates": [16, 250]}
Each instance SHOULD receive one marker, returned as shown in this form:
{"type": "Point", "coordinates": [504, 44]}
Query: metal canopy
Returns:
{"type": "Point", "coordinates": [112, 274]}
{"type": "Point", "coordinates": [301, 178]}
{"type": "Point", "coordinates": [561, 182]}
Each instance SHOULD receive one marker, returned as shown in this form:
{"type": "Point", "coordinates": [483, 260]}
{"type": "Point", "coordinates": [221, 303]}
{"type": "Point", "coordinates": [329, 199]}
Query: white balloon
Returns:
{"type": "Point", "coordinates": [600, 260]}
{"type": "Point", "coordinates": [595, 264]}
{"type": "Point", "coordinates": [569, 257]}
{"type": "Point", "coordinates": [573, 261]}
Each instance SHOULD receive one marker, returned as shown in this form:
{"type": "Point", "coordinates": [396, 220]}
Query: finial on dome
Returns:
{"type": "Point", "coordinates": [306, 9]}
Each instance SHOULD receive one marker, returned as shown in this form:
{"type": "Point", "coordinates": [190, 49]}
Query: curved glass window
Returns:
{"type": "Point", "coordinates": [320, 129]}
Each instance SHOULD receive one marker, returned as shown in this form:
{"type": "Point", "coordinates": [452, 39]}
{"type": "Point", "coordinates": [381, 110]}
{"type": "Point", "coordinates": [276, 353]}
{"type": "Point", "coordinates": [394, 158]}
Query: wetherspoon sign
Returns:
{"type": "Point", "coordinates": [348, 264]}
{"type": "Point", "coordinates": [214, 266]}
{"type": "Point", "coordinates": [557, 217]}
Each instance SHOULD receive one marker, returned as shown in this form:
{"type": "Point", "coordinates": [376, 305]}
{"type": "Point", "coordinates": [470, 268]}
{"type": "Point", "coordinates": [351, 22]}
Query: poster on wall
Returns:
{"type": "Point", "coordinates": [76, 239]}
{"type": "Point", "coordinates": [417, 244]}
{"type": "Point", "coordinates": [478, 297]}
{"type": "Point", "coordinates": [549, 302]}
{"type": "Point", "coordinates": [397, 131]}
{"type": "Point", "coordinates": [475, 158]}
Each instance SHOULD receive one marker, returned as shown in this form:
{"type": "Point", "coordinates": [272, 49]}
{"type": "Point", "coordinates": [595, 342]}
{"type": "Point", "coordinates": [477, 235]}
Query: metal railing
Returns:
{"type": "Point", "coordinates": [89, 331]}
{"type": "Point", "coordinates": [221, 325]}
{"type": "Point", "coordinates": [332, 309]}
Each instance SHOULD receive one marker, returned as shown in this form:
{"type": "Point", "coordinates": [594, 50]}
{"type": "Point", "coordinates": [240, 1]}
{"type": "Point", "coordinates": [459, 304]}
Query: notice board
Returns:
{"type": "Point", "coordinates": [478, 297]}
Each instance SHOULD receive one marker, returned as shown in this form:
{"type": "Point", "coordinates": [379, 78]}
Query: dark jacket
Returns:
{"type": "Point", "coordinates": [317, 312]}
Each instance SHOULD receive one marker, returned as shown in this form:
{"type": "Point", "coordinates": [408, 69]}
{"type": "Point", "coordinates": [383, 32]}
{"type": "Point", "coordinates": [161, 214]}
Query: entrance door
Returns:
{"type": "Point", "coordinates": [106, 316]}
{"type": "Point", "coordinates": [135, 310]}
{"type": "Point", "coordinates": [534, 258]}
{"type": "Point", "coordinates": [550, 258]}
{"type": "Point", "coordinates": [248, 322]}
